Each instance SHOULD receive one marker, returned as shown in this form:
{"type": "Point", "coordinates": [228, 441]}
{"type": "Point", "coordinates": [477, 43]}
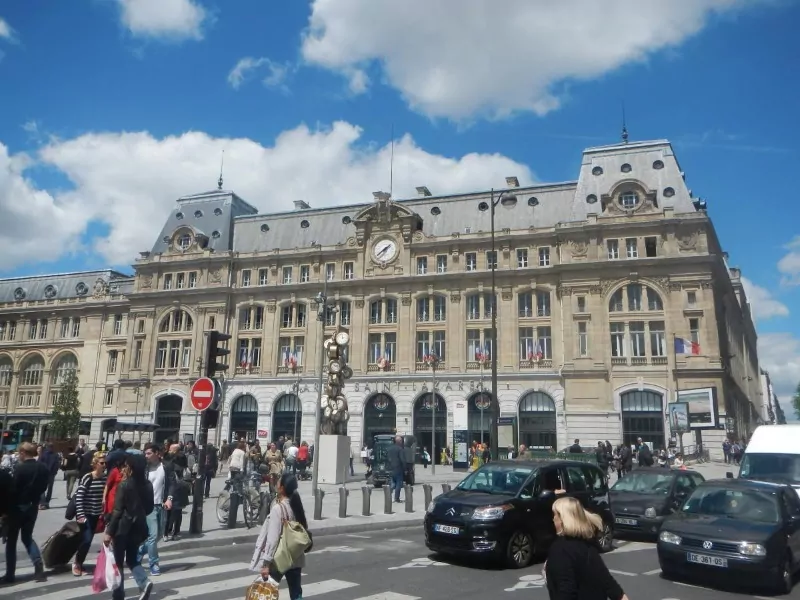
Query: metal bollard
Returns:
{"type": "Point", "coordinates": [233, 508]}
{"type": "Point", "coordinates": [366, 499]}
{"type": "Point", "coordinates": [427, 489]}
{"type": "Point", "coordinates": [409, 490]}
{"type": "Point", "coordinates": [446, 488]}
{"type": "Point", "coordinates": [387, 500]}
{"type": "Point", "coordinates": [343, 494]}
{"type": "Point", "coordinates": [318, 505]}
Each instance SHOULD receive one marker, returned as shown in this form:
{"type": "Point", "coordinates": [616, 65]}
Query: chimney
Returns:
{"type": "Point", "coordinates": [423, 191]}
{"type": "Point", "coordinates": [301, 205]}
{"type": "Point", "coordinates": [512, 182]}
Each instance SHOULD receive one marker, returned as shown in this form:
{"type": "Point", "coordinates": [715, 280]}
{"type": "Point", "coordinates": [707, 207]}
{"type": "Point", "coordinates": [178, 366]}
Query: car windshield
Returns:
{"type": "Point", "coordinates": [644, 483]}
{"type": "Point", "coordinates": [496, 479]}
{"type": "Point", "coordinates": [744, 505]}
{"type": "Point", "coordinates": [771, 467]}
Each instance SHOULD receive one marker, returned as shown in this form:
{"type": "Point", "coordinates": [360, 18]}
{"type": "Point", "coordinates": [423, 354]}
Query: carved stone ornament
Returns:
{"type": "Point", "coordinates": [706, 285]}
{"type": "Point", "coordinates": [563, 290]}
{"type": "Point", "coordinates": [271, 306]}
{"type": "Point", "coordinates": [507, 293]}
{"type": "Point", "coordinates": [146, 282]}
{"type": "Point", "coordinates": [406, 300]}
{"type": "Point", "coordinates": [100, 288]}
{"type": "Point", "coordinates": [662, 282]}
{"type": "Point", "coordinates": [595, 290]}
{"type": "Point", "coordinates": [418, 236]}
{"type": "Point", "coordinates": [606, 285]}
{"type": "Point", "coordinates": [215, 275]}
{"type": "Point", "coordinates": [688, 240]}
{"type": "Point", "coordinates": [360, 302]}
{"type": "Point", "coordinates": [351, 241]}
{"type": "Point", "coordinates": [578, 248]}
{"type": "Point", "coordinates": [455, 296]}
{"type": "Point", "coordinates": [675, 287]}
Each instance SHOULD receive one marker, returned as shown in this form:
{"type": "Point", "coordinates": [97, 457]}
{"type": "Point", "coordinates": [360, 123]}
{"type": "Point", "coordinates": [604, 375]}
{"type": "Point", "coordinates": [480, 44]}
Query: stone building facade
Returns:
{"type": "Point", "coordinates": [595, 282]}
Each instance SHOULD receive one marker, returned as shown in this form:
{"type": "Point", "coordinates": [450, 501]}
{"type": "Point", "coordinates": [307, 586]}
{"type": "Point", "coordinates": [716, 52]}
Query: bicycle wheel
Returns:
{"type": "Point", "coordinates": [223, 507]}
{"type": "Point", "coordinates": [247, 514]}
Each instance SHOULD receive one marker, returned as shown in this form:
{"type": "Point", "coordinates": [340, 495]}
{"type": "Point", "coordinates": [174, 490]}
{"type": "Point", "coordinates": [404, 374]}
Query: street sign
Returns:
{"type": "Point", "coordinates": [202, 394]}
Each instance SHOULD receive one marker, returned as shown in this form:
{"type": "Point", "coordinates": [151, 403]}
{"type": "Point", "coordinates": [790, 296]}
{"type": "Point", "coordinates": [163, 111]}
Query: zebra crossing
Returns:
{"type": "Point", "coordinates": [196, 577]}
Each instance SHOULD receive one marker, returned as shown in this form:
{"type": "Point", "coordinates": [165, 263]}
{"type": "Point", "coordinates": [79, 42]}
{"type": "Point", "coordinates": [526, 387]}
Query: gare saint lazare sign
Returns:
{"type": "Point", "coordinates": [388, 387]}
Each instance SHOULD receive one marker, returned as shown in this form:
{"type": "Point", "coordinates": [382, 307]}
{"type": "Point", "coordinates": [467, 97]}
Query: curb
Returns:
{"type": "Point", "coordinates": [244, 536]}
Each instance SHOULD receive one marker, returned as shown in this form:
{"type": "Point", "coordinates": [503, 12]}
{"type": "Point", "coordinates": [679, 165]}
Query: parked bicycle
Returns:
{"type": "Point", "coordinates": [254, 502]}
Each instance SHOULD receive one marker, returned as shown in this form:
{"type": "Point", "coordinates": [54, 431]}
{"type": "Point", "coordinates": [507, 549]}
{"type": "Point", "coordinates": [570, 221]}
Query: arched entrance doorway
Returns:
{"type": "Point", "coordinates": [643, 417]}
{"type": "Point", "coordinates": [22, 431]}
{"type": "Point", "coordinates": [380, 417]}
{"type": "Point", "coordinates": [537, 421]}
{"type": "Point", "coordinates": [423, 424]}
{"type": "Point", "coordinates": [244, 418]}
{"type": "Point", "coordinates": [287, 417]}
{"type": "Point", "coordinates": [479, 408]}
{"type": "Point", "coordinates": [168, 418]}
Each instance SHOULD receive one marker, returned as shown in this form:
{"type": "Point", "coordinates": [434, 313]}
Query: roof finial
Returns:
{"type": "Point", "coordinates": [221, 165]}
{"type": "Point", "coordinates": [624, 126]}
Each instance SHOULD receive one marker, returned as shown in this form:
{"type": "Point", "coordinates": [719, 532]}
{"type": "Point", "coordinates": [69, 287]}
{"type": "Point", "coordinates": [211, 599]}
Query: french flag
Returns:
{"type": "Point", "coordinates": [243, 357]}
{"type": "Point", "coordinates": [683, 346]}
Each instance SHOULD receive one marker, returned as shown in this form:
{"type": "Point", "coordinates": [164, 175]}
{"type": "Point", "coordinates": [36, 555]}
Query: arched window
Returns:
{"type": "Point", "coordinates": [287, 417]}
{"type": "Point", "coordinates": [244, 418]}
{"type": "Point", "coordinates": [641, 338]}
{"type": "Point", "coordinates": [66, 364]}
{"type": "Point", "coordinates": [380, 417]}
{"type": "Point", "coordinates": [432, 308]}
{"type": "Point", "coordinates": [175, 353]}
{"type": "Point", "coordinates": [6, 373]}
{"type": "Point", "coordinates": [176, 321]}
{"type": "Point", "coordinates": [537, 421]}
{"type": "Point", "coordinates": [33, 372]}
{"type": "Point", "coordinates": [643, 417]}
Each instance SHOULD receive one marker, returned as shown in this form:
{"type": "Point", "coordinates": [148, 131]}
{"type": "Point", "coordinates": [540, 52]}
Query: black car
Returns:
{"type": "Point", "coordinates": [504, 509]}
{"type": "Point", "coordinates": [646, 496]}
{"type": "Point", "coordinates": [735, 528]}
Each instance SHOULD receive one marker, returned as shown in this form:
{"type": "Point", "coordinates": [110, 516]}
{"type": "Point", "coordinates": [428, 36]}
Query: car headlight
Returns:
{"type": "Point", "coordinates": [490, 513]}
{"type": "Point", "coordinates": [669, 538]}
{"type": "Point", "coordinates": [749, 549]}
{"type": "Point", "coordinates": [650, 513]}
{"type": "Point", "coordinates": [431, 506]}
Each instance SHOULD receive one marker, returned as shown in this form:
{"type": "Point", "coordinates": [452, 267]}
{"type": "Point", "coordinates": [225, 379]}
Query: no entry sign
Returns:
{"type": "Point", "coordinates": [202, 394]}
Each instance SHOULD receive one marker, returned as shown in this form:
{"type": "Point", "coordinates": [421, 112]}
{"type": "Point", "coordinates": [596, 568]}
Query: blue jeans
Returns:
{"type": "Point", "coordinates": [87, 535]}
{"type": "Point", "coordinates": [155, 528]}
{"type": "Point", "coordinates": [126, 551]}
{"type": "Point", "coordinates": [21, 523]}
{"type": "Point", "coordinates": [397, 485]}
{"type": "Point", "coordinates": [293, 581]}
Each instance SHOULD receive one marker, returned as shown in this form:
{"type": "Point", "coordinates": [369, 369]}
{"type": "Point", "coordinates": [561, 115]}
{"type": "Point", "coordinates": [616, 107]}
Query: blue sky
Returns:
{"type": "Point", "coordinates": [113, 108]}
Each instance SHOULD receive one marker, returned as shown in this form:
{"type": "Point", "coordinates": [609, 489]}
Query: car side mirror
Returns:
{"type": "Point", "coordinates": [547, 495]}
{"type": "Point", "coordinates": [729, 475]}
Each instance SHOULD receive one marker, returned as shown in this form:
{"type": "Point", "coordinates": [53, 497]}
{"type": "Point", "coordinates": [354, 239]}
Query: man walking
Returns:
{"type": "Point", "coordinates": [162, 500]}
{"type": "Point", "coordinates": [30, 482]}
{"type": "Point", "coordinates": [397, 465]}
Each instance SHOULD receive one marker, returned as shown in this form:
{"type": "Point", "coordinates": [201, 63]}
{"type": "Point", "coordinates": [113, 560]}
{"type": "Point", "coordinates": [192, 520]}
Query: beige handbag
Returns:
{"type": "Point", "coordinates": [292, 545]}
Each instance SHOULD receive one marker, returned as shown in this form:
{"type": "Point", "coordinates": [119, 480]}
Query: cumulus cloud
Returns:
{"type": "Point", "coordinates": [789, 265]}
{"type": "Point", "coordinates": [762, 303]}
{"type": "Point", "coordinates": [779, 353]}
{"type": "Point", "coordinates": [164, 19]}
{"type": "Point", "coordinates": [128, 182]}
{"type": "Point", "coordinates": [6, 33]}
{"type": "Point", "coordinates": [477, 60]}
{"type": "Point", "coordinates": [275, 74]}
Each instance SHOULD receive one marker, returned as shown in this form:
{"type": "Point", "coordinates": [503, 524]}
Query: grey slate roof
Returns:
{"type": "Point", "coordinates": [63, 286]}
{"type": "Point", "coordinates": [210, 214]}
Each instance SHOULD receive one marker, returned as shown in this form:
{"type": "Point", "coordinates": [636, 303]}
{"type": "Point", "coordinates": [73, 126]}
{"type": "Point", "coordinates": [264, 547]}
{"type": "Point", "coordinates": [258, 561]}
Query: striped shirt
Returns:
{"type": "Point", "coordinates": [89, 497]}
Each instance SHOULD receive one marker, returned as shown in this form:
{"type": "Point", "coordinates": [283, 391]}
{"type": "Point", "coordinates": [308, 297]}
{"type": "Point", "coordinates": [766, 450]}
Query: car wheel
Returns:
{"type": "Point", "coordinates": [519, 553]}
{"type": "Point", "coordinates": [606, 538]}
{"type": "Point", "coordinates": [785, 579]}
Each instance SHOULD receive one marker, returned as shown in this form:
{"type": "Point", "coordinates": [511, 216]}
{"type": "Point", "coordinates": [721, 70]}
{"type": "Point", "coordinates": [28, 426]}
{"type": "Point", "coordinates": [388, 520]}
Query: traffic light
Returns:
{"type": "Point", "coordinates": [335, 411]}
{"type": "Point", "coordinates": [214, 351]}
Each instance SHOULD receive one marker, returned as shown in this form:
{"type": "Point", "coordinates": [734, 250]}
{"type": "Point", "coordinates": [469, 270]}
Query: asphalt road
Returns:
{"type": "Point", "coordinates": [373, 566]}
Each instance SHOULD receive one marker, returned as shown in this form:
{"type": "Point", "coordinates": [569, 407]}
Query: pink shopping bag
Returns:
{"type": "Point", "coordinates": [99, 577]}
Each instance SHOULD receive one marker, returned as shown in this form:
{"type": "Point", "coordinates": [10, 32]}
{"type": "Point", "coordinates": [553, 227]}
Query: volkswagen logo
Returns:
{"type": "Point", "coordinates": [450, 511]}
{"type": "Point", "coordinates": [707, 545]}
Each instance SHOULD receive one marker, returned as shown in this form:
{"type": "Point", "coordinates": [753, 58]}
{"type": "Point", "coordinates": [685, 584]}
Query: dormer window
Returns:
{"type": "Point", "coordinates": [184, 241]}
{"type": "Point", "coordinates": [626, 168]}
{"type": "Point", "coordinates": [629, 200]}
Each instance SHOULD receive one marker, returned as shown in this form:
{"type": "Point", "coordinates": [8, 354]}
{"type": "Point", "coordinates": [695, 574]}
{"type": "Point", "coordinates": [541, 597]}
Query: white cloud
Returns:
{"type": "Point", "coordinates": [779, 353]}
{"type": "Point", "coordinates": [164, 19]}
{"type": "Point", "coordinates": [6, 32]}
{"type": "Point", "coordinates": [128, 182]}
{"type": "Point", "coordinates": [763, 305]}
{"type": "Point", "coordinates": [475, 59]}
{"type": "Point", "coordinates": [244, 69]}
{"type": "Point", "coordinates": [789, 265]}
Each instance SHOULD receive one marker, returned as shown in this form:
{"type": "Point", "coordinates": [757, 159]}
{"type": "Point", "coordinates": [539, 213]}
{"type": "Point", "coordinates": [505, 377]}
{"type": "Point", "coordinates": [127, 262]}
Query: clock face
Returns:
{"type": "Point", "coordinates": [342, 338]}
{"type": "Point", "coordinates": [384, 250]}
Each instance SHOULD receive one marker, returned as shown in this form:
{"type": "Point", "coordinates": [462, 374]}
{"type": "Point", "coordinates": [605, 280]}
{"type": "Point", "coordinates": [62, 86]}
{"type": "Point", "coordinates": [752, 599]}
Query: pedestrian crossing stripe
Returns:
{"type": "Point", "coordinates": [65, 576]}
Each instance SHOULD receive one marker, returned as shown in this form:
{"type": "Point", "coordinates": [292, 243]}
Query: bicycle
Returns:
{"type": "Point", "coordinates": [253, 502]}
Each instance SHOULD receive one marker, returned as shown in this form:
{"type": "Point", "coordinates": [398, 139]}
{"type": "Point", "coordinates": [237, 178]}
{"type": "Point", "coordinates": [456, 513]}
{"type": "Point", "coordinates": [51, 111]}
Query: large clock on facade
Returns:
{"type": "Point", "coordinates": [384, 250]}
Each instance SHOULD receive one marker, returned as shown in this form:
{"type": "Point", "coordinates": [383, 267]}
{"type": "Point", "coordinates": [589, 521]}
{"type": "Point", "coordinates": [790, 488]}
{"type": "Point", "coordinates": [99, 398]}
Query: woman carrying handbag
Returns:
{"type": "Point", "coordinates": [284, 539]}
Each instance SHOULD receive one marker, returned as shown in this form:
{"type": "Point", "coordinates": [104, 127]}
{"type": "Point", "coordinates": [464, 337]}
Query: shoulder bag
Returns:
{"type": "Point", "coordinates": [293, 543]}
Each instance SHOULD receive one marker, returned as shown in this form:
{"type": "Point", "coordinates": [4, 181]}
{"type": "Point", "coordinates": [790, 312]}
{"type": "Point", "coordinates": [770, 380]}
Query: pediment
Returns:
{"type": "Point", "coordinates": [383, 211]}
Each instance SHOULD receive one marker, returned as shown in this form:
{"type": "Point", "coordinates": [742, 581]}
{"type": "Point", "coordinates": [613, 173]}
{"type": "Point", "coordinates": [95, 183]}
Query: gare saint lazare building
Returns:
{"type": "Point", "coordinates": [613, 298]}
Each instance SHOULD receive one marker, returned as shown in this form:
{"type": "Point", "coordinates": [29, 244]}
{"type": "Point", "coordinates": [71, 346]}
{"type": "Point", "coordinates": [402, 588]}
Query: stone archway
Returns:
{"type": "Point", "coordinates": [168, 418]}
{"type": "Point", "coordinates": [380, 417]}
{"type": "Point", "coordinates": [243, 418]}
{"type": "Point", "coordinates": [538, 429]}
{"type": "Point", "coordinates": [287, 417]}
{"type": "Point", "coordinates": [424, 424]}
{"type": "Point", "coordinates": [643, 417]}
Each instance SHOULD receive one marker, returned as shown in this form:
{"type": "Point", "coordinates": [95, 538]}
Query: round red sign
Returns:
{"type": "Point", "coordinates": [202, 394]}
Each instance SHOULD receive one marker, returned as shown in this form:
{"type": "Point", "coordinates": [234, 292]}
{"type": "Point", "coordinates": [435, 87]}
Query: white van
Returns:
{"type": "Point", "coordinates": [773, 454]}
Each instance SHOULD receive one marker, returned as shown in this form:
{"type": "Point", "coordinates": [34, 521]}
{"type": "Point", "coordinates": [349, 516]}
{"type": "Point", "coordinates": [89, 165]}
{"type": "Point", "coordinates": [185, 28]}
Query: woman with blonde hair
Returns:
{"type": "Point", "coordinates": [574, 569]}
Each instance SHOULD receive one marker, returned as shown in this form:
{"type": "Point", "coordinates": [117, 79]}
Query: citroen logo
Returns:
{"type": "Point", "coordinates": [707, 545]}
{"type": "Point", "coordinates": [450, 511]}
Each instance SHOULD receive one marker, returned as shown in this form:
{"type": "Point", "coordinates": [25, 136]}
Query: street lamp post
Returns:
{"type": "Point", "coordinates": [299, 408]}
{"type": "Point", "coordinates": [322, 305]}
{"type": "Point", "coordinates": [5, 416]}
{"type": "Point", "coordinates": [507, 199]}
{"type": "Point", "coordinates": [433, 361]}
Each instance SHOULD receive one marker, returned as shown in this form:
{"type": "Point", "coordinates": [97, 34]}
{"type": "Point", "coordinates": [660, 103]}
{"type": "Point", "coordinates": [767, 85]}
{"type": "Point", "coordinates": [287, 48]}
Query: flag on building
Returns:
{"type": "Point", "coordinates": [537, 351]}
{"type": "Point", "coordinates": [243, 357]}
{"type": "Point", "coordinates": [387, 354]}
{"type": "Point", "coordinates": [683, 346]}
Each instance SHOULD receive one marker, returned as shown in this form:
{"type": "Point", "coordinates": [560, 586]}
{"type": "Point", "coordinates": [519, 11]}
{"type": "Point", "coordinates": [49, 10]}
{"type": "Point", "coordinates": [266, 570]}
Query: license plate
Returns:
{"type": "Point", "coordinates": [622, 521]}
{"type": "Point", "coordinates": [447, 529]}
{"type": "Point", "coordinates": [702, 559]}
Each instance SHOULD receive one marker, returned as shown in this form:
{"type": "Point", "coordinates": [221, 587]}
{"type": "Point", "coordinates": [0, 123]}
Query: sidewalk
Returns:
{"type": "Point", "coordinates": [49, 521]}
